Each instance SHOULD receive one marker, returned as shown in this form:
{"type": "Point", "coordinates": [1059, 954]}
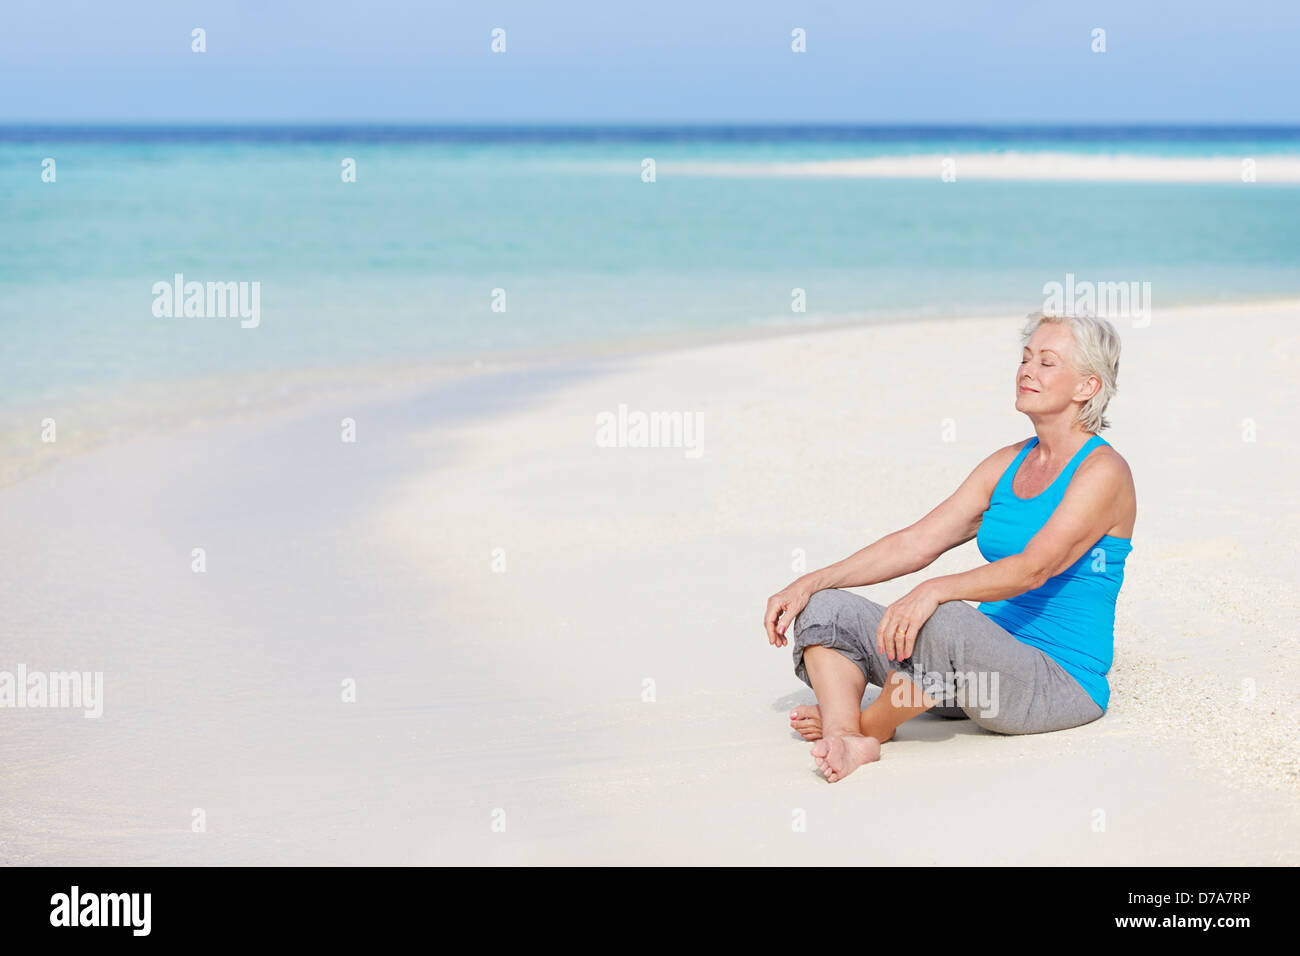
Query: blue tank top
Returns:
{"type": "Point", "coordinates": [1071, 618]}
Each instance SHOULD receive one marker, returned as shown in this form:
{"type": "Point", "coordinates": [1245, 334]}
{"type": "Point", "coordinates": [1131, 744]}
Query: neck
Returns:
{"type": "Point", "coordinates": [1059, 440]}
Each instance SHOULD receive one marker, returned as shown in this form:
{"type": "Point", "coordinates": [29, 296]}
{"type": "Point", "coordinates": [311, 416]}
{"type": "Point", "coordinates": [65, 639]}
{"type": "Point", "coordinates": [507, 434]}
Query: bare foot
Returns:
{"type": "Point", "coordinates": [807, 722]}
{"type": "Point", "coordinates": [840, 756]}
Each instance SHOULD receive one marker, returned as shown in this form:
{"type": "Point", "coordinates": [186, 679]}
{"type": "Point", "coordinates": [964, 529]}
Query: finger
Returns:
{"type": "Point", "coordinates": [881, 631]}
{"type": "Point", "coordinates": [890, 625]}
{"type": "Point", "coordinates": [897, 637]}
{"type": "Point", "coordinates": [769, 619]}
{"type": "Point", "coordinates": [792, 610]}
{"type": "Point", "coordinates": [900, 638]}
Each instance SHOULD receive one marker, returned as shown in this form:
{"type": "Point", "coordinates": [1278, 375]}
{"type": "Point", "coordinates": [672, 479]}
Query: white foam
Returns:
{"type": "Point", "coordinates": [1046, 166]}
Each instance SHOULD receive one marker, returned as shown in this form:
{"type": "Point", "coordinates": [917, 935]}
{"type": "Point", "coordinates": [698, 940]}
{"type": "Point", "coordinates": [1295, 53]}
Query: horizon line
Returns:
{"type": "Point", "coordinates": [269, 131]}
{"type": "Point", "coordinates": [653, 124]}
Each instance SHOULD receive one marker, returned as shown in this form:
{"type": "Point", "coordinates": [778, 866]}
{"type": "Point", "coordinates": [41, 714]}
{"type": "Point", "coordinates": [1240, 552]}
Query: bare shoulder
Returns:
{"type": "Point", "coordinates": [1010, 451]}
{"type": "Point", "coordinates": [989, 471]}
{"type": "Point", "coordinates": [1109, 465]}
{"type": "Point", "coordinates": [1107, 468]}
{"type": "Point", "coordinates": [1000, 459]}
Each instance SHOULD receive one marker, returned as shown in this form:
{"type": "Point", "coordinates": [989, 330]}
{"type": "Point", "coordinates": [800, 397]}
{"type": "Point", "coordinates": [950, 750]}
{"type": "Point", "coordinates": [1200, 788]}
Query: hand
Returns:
{"type": "Point", "coordinates": [782, 608]}
{"type": "Point", "coordinates": [902, 621]}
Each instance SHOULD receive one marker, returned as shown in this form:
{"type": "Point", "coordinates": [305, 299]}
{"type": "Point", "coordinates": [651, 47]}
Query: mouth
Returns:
{"type": "Point", "coordinates": [1025, 388]}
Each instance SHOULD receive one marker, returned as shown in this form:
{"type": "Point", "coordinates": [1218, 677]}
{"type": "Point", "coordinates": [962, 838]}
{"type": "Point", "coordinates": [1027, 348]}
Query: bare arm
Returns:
{"type": "Point", "coordinates": [955, 521]}
{"type": "Point", "coordinates": [1092, 503]}
{"type": "Point", "coordinates": [889, 557]}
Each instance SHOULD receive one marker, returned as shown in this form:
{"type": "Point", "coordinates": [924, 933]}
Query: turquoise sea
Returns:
{"type": "Point", "coordinates": [402, 263]}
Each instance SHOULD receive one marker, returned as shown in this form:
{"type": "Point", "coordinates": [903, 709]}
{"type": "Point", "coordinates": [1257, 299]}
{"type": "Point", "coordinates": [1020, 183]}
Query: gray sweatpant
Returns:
{"type": "Point", "coordinates": [963, 659]}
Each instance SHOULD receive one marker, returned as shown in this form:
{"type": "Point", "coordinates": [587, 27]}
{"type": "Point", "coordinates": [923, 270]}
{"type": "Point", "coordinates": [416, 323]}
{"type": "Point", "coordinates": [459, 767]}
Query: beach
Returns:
{"type": "Point", "coordinates": [482, 633]}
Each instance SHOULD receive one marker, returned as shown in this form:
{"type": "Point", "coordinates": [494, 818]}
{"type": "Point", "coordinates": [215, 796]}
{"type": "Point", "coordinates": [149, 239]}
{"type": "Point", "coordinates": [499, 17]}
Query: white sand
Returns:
{"type": "Point", "coordinates": [523, 691]}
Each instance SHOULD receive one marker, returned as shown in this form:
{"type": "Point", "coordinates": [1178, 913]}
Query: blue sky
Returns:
{"type": "Point", "coordinates": [931, 61]}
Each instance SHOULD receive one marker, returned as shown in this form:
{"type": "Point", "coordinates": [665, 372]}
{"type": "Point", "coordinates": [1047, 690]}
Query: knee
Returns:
{"type": "Point", "coordinates": [942, 636]}
{"type": "Point", "coordinates": [824, 607]}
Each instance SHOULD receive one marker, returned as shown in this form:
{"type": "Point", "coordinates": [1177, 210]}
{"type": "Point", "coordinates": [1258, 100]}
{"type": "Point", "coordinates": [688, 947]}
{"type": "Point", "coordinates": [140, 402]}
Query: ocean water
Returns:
{"type": "Point", "coordinates": [402, 264]}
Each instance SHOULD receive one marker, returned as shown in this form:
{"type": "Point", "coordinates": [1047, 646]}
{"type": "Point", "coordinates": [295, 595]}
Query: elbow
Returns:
{"type": "Point", "coordinates": [915, 553]}
{"type": "Point", "coordinates": [1036, 575]}
{"type": "Point", "coordinates": [917, 560]}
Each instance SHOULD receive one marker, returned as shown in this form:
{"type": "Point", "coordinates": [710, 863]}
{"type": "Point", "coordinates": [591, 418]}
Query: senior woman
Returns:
{"type": "Point", "coordinates": [1052, 515]}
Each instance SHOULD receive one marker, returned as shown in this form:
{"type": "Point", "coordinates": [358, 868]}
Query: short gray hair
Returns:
{"type": "Point", "coordinates": [1096, 352]}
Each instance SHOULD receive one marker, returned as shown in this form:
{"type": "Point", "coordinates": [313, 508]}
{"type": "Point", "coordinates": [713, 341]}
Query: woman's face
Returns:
{"type": "Point", "coordinates": [1046, 382]}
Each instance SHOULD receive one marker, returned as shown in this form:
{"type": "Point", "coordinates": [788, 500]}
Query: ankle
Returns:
{"type": "Point", "coordinates": [841, 732]}
{"type": "Point", "coordinates": [870, 726]}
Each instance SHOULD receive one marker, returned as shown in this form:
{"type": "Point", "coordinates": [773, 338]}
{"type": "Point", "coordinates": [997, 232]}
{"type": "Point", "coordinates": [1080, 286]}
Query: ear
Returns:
{"type": "Point", "coordinates": [1090, 387]}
